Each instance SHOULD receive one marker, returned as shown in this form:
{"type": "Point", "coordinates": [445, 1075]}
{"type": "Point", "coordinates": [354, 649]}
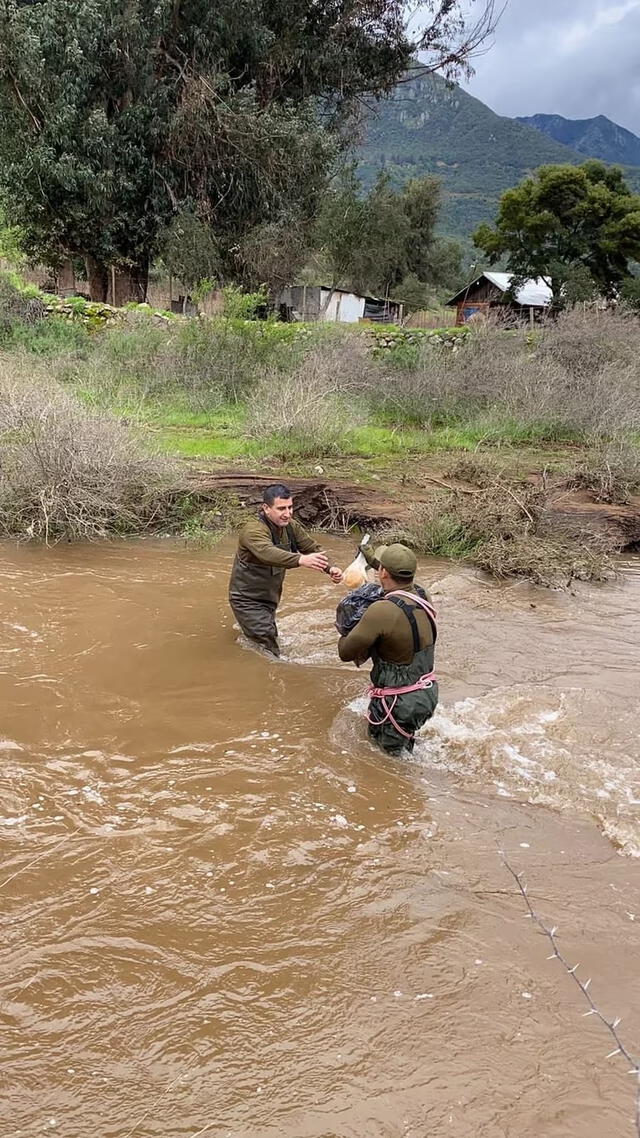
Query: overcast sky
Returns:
{"type": "Point", "coordinates": [576, 58]}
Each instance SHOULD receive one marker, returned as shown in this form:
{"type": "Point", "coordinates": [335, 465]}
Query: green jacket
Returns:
{"type": "Point", "coordinates": [264, 554]}
{"type": "Point", "coordinates": [384, 634]}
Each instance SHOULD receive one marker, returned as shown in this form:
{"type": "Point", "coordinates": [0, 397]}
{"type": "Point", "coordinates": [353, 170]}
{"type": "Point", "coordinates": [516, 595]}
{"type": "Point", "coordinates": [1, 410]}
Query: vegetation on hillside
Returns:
{"type": "Point", "coordinates": [597, 137]}
{"type": "Point", "coordinates": [427, 127]}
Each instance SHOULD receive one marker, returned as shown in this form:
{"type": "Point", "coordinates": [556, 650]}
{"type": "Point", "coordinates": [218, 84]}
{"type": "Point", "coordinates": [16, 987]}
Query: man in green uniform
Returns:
{"type": "Point", "coordinates": [268, 545]}
{"type": "Point", "coordinates": [398, 633]}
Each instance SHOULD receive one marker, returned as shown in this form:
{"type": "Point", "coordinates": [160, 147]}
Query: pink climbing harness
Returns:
{"type": "Point", "coordinates": [421, 684]}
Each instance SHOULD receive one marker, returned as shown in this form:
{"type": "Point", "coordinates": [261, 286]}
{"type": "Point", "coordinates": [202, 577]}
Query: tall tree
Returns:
{"type": "Point", "coordinates": [563, 218]}
{"type": "Point", "coordinates": [375, 241]}
{"type": "Point", "coordinates": [118, 114]}
{"type": "Point", "coordinates": [381, 259]}
{"type": "Point", "coordinates": [421, 200]}
{"type": "Point", "coordinates": [443, 265]}
{"type": "Point", "coordinates": [342, 228]}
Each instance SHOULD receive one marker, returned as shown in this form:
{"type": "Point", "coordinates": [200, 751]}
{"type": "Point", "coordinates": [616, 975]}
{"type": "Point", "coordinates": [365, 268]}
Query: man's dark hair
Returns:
{"type": "Point", "coordinates": [278, 490]}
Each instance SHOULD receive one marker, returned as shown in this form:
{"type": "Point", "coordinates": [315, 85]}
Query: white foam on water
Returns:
{"type": "Point", "coordinates": [92, 795]}
{"type": "Point", "coordinates": [545, 746]}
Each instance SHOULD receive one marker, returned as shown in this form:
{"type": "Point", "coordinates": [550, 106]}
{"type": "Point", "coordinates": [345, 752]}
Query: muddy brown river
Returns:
{"type": "Point", "coordinates": [225, 914]}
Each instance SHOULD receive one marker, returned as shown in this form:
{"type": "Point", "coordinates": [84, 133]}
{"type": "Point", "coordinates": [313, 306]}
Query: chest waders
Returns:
{"type": "Point", "coordinates": [255, 590]}
{"type": "Point", "coordinates": [403, 696]}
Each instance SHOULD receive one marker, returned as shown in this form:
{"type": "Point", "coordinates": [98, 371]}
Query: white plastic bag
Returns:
{"type": "Point", "coordinates": [356, 574]}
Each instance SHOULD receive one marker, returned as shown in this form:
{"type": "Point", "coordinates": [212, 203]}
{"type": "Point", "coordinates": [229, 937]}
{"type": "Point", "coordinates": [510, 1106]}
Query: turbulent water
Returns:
{"type": "Point", "coordinates": [225, 914]}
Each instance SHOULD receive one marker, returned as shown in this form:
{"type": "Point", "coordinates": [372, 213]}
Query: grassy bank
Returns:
{"type": "Point", "coordinates": [565, 398]}
{"type": "Point", "coordinates": [216, 388]}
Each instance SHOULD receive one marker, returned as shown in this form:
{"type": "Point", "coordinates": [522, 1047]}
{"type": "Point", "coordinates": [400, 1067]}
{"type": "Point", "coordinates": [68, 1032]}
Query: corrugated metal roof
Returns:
{"type": "Point", "coordinates": [533, 293]}
{"type": "Point", "coordinates": [360, 295]}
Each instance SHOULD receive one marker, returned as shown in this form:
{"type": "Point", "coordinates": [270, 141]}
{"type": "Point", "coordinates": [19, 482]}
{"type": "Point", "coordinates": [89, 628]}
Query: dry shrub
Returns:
{"type": "Point", "coordinates": [545, 561]}
{"type": "Point", "coordinates": [501, 528]}
{"type": "Point", "coordinates": [584, 340]}
{"type": "Point", "coordinates": [309, 410]}
{"type": "Point", "coordinates": [575, 376]}
{"type": "Point", "coordinates": [611, 474]}
{"type": "Point", "coordinates": [472, 471]}
{"type": "Point", "coordinates": [454, 386]}
{"type": "Point", "coordinates": [66, 472]}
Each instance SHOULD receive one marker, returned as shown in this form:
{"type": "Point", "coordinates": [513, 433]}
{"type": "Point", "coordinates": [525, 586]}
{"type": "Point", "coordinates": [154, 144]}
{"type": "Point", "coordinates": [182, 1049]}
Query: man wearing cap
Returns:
{"type": "Point", "coordinates": [268, 545]}
{"type": "Point", "coordinates": [398, 633]}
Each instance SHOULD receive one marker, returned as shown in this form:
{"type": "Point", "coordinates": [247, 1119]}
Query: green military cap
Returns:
{"type": "Point", "coordinates": [397, 559]}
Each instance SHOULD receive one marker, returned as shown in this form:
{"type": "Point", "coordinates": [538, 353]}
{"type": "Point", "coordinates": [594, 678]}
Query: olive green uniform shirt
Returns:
{"type": "Point", "coordinates": [256, 543]}
{"type": "Point", "coordinates": [264, 554]}
{"type": "Point", "coordinates": [385, 632]}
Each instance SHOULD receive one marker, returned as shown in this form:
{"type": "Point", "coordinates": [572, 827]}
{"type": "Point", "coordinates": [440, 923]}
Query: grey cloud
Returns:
{"type": "Point", "coordinates": [571, 57]}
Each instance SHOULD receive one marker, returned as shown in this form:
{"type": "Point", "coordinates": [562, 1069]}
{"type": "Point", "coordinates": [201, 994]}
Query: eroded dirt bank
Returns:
{"type": "Point", "coordinates": [339, 504]}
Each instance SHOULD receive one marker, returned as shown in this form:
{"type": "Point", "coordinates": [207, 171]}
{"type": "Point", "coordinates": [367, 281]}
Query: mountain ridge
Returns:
{"type": "Point", "coordinates": [597, 137]}
{"type": "Point", "coordinates": [428, 126]}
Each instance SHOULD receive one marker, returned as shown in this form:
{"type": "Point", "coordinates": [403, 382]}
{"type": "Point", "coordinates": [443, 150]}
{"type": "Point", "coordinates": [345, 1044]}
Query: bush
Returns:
{"type": "Point", "coordinates": [543, 560]}
{"type": "Point", "coordinates": [309, 410]}
{"type": "Point", "coordinates": [51, 337]}
{"type": "Point", "coordinates": [124, 365]}
{"type": "Point", "coordinates": [222, 358]}
{"type": "Point", "coordinates": [243, 305]}
{"type": "Point", "coordinates": [200, 363]}
{"type": "Point", "coordinates": [611, 474]}
{"type": "Point", "coordinates": [66, 472]}
{"type": "Point", "coordinates": [581, 341]}
{"type": "Point", "coordinates": [502, 528]}
{"type": "Point", "coordinates": [576, 378]}
{"type": "Point", "coordinates": [19, 305]}
{"type": "Point", "coordinates": [444, 387]}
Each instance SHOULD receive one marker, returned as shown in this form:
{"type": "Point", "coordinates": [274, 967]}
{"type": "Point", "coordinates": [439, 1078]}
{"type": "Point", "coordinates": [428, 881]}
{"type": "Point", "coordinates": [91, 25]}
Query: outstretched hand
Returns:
{"type": "Point", "coordinates": [318, 561]}
{"type": "Point", "coordinates": [335, 574]}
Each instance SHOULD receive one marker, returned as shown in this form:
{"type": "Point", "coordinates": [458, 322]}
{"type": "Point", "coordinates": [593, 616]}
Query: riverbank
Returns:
{"type": "Point", "coordinates": [513, 450]}
{"type": "Point", "coordinates": [509, 515]}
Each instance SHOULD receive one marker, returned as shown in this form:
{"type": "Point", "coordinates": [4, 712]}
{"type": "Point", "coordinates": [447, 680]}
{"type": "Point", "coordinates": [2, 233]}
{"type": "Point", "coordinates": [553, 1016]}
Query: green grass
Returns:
{"type": "Point", "coordinates": [172, 415]}
{"type": "Point", "coordinates": [207, 444]}
{"type": "Point", "coordinates": [172, 386]}
{"type": "Point", "coordinates": [51, 337]}
{"type": "Point", "coordinates": [221, 435]}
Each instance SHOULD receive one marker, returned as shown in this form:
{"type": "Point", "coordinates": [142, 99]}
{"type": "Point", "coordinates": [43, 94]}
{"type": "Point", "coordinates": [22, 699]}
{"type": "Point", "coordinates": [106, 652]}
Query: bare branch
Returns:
{"type": "Point", "coordinates": [451, 41]}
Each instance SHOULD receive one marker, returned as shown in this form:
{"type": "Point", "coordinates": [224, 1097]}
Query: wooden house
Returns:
{"type": "Point", "coordinates": [490, 291]}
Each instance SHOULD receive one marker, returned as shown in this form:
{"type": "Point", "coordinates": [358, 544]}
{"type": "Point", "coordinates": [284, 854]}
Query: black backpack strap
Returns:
{"type": "Point", "coordinates": [420, 592]}
{"type": "Point", "coordinates": [409, 612]}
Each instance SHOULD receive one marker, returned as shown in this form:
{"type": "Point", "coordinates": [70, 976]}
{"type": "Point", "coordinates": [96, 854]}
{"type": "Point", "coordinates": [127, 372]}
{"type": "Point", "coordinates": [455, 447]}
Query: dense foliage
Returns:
{"type": "Point", "coordinates": [565, 217]}
{"type": "Point", "coordinates": [120, 114]}
{"type": "Point", "coordinates": [384, 241]}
